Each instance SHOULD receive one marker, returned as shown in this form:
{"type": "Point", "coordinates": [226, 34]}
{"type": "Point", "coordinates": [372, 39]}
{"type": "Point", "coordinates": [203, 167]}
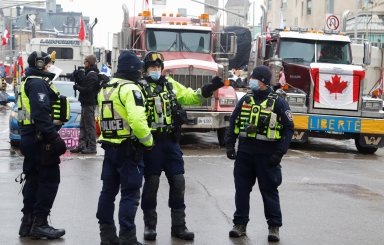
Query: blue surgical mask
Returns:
{"type": "Point", "coordinates": [155, 75]}
{"type": "Point", "coordinates": [254, 84]}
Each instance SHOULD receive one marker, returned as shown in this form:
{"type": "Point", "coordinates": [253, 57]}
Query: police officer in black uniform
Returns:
{"type": "Point", "coordinates": [263, 123]}
{"type": "Point", "coordinates": [41, 145]}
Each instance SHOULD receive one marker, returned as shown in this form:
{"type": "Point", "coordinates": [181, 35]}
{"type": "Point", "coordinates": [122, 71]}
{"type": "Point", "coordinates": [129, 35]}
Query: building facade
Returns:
{"type": "Point", "coordinates": [360, 19]}
{"type": "Point", "coordinates": [47, 21]}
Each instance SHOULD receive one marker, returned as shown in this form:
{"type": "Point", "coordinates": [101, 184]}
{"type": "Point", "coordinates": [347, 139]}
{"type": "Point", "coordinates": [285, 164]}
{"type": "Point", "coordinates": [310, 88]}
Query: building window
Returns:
{"type": "Point", "coordinates": [62, 53]}
{"type": "Point", "coordinates": [284, 4]}
{"type": "Point", "coordinates": [309, 7]}
{"type": "Point", "coordinates": [302, 9]}
{"type": "Point", "coordinates": [269, 6]}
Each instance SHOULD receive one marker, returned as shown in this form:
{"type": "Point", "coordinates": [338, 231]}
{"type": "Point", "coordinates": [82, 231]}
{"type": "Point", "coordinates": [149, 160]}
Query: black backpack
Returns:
{"type": "Point", "coordinates": [103, 81]}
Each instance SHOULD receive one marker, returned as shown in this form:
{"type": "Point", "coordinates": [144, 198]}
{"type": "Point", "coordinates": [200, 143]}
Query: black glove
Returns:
{"type": "Point", "coordinates": [58, 146]}
{"type": "Point", "coordinates": [75, 87]}
{"type": "Point", "coordinates": [275, 159]}
{"type": "Point", "coordinates": [231, 152]}
{"type": "Point", "coordinates": [208, 89]}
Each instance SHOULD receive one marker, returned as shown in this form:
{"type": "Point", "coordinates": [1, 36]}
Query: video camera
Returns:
{"type": "Point", "coordinates": [78, 74]}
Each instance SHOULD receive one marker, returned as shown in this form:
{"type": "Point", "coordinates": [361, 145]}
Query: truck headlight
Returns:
{"type": "Point", "coordinates": [227, 102]}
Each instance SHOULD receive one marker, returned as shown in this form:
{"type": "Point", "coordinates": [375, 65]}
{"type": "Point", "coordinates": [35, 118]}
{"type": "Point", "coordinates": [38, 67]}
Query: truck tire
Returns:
{"type": "Point", "coordinates": [221, 136]}
{"type": "Point", "coordinates": [364, 149]}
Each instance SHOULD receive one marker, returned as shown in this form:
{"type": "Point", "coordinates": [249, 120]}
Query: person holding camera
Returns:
{"type": "Point", "coordinates": [262, 121]}
{"type": "Point", "coordinates": [41, 146]}
{"type": "Point", "coordinates": [165, 117]}
{"type": "Point", "coordinates": [86, 82]}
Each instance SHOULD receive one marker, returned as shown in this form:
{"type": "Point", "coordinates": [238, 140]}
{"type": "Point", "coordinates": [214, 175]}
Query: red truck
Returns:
{"type": "Point", "coordinates": [193, 53]}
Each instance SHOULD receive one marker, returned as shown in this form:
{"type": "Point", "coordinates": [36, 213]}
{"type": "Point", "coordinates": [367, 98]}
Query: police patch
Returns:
{"type": "Point", "coordinates": [41, 97]}
{"type": "Point", "coordinates": [289, 115]}
{"type": "Point", "coordinates": [138, 98]}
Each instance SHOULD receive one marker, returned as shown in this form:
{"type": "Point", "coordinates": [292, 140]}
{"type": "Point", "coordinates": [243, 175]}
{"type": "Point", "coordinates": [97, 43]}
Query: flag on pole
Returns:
{"type": "Point", "coordinates": [82, 30]}
{"type": "Point", "coordinates": [21, 64]}
{"type": "Point", "coordinates": [6, 36]}
{"type": "Point", "coordinates": [146, 4]}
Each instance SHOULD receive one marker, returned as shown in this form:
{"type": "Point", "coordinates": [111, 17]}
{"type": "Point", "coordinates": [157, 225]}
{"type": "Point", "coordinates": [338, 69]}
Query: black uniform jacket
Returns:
{"type": "Point", "coordinates": [259, 146]}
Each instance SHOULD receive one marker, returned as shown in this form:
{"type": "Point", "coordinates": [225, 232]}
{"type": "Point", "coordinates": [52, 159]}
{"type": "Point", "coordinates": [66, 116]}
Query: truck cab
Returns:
{"type": "Point", "coordinates": [193, 56]}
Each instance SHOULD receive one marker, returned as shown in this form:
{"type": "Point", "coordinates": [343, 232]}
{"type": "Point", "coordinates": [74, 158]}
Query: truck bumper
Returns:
{"type": "Point", "coordinates": [206, 120]}
{"type": "Point", "coordinates": [369, 129]}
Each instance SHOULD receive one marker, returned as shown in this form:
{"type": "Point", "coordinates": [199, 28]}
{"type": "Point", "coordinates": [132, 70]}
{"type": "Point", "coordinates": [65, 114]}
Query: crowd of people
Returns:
{"type": "Point", "coordinates": [141, 114]}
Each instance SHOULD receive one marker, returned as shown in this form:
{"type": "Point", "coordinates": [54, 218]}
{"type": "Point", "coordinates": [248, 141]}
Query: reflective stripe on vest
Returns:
{"type": "Point", "coordinates": [113, 123]}
{"type": "Point", "coordinates": [60, 108]}
{"type": "Point", "coordinates": [258, 121]}
{"type": "Point", "coordinates": [159, 111]}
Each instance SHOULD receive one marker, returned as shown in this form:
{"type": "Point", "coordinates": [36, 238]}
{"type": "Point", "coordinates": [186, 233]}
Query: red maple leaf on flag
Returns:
{"type": "Point", "coordinates": [336, 86]}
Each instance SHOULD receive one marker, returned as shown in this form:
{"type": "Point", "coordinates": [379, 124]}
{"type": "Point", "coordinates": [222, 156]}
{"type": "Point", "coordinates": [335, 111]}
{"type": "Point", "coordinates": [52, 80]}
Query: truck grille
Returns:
{"type": "Point", "coordinates": [195, 79]}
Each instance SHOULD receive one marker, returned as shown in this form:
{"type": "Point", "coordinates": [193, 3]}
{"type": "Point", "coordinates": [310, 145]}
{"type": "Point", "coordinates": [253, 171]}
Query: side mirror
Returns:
{"type": "Point", "coordinates": [263, 46]}
{"type": "Point", "coordinates": [233, 47]}
{"type": "Point", "coordinates": [11, 98]}
{"type": "Point", "coordinates": [367, 53]}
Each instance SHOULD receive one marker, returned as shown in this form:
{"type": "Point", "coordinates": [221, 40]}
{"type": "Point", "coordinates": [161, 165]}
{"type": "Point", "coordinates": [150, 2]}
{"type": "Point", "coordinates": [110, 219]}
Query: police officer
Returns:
{"type": "Point", "coordinates": [165, 117]}
{"type": "Point", "coordinates": [124, 133]}
{"type": "Point", "coordinates": [263, 122]}
{"type": "Point", "coordinates": [87, 85]}
{"type": "Point", "coordinates": [41, 146]}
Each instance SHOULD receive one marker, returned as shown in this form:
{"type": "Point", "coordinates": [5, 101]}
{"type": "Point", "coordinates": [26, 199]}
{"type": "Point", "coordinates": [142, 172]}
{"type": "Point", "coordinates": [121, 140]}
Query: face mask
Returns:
{"type": "Point", "coordinates": [155, 75]}
{"type": "Point", "coordinates": [254, 84]}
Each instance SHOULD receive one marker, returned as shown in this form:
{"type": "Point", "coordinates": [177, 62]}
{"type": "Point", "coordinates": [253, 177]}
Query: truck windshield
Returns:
{"type": "Point", "coordinates": [333, 52]}
{"type": "Point", "coordinates": [297, 50]}
{"type": "Point", "coordinates": [178, 40]}
{"type": "Point", "coordinates": [303, 51]}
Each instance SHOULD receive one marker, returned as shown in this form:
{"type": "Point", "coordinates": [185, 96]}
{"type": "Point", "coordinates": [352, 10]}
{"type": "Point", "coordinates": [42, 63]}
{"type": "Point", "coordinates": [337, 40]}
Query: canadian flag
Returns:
{"type": "Point", "coordinates": [82, 30]}
{"type": "Point", "coordinates": [6, 36]}
{"type": "Point", "coordinates": [336, 90]}
{"type": "Point", "coordinates": [282, 79]}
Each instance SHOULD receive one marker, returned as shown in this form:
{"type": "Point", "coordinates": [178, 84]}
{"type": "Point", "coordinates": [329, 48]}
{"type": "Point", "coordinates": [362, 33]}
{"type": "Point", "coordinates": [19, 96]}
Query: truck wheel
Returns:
{"type": "Point", "coordinates": [221, 136]}
{"type": "Point", "coordinates": [364, 149]}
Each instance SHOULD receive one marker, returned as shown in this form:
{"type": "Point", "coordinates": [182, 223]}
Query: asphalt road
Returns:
{"type": "Point", "coordinates": [330, 195]}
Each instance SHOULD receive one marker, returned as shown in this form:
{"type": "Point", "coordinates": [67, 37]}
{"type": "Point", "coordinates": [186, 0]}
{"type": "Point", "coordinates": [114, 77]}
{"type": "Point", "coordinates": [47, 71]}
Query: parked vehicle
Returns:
{"type": "Point", "coordinates": [194, 52]}
{"type": "Point", "coordinates": [325, 90]}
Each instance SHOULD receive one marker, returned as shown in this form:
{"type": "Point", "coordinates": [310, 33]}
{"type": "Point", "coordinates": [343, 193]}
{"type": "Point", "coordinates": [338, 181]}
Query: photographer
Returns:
{"type": "Point", "coordinates": [86, 82]}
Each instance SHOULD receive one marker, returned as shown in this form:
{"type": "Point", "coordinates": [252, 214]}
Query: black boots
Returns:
{"type": "Point", "coordinates": [108, 235]}
{"type": "Point", "coordinates": [150, 221]}
{"type": "Point", "coordinates": [41, 229]}
{"type": "Point", "coordinates": [179, 229]}
{"type": "Point", "coordinates": [238, 230]}
{"type": "Point", "coordinates": [26, 224]}
{"type": "Point", "coordinates": [128, 238]}
{"type": "Point", "coordinates": [273, 235]}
